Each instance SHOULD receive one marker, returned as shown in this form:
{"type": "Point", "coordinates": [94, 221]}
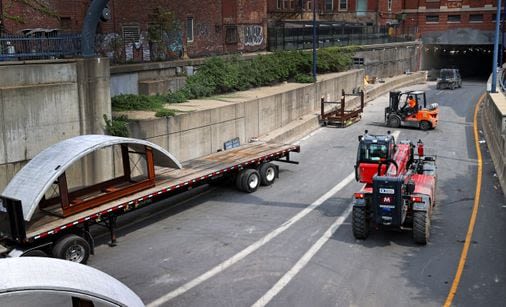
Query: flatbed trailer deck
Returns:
{"type": "Point", "coordinates": [44, 230]}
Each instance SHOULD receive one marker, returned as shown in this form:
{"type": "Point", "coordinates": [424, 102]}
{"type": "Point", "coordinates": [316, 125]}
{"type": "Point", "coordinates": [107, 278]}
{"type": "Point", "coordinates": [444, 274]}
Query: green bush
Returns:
{"type": "Point", "coordinates": [176, 97]}
{"type": "Point", "coordinates": [217, 76]}
{"type": "Point", "coordinates": [165, 113]}
{"type": "Point", "coordinates": [301, 78]}
{"type": "Point", "coordinates": [117, 126]}
{"type": "Point", "coordinates": [129, 102]}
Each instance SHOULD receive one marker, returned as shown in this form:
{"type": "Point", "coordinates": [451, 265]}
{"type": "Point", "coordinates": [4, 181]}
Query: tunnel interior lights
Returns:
{"type": "Point", "coordinates": [457, 51]}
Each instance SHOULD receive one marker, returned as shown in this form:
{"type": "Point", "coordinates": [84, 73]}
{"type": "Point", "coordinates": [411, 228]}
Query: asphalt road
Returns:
{"type": "Point", "coordinates": [291, 244]}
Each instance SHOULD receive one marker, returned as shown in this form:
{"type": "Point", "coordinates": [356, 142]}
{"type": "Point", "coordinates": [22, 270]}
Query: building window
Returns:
{"type": "Point", "coordinates": [358, 61]}
{"type": "Point", "coordinates": [432, 18]}
{"type": "Point", "coordinates": [389, 5]}
{"type": "Point", "coordinates": [453, 18]}
{"type": "Point", "coordinates": [343, 5]}
{"type": "Point", "coordinates": [279, 4]}
{"type": "Point", "coordinates": [131, 34]}
{"type": "Point", "coordinates": [476, 18]}
{"type": "Point", "coordinates": [231, 34]}
{"type": "Point", "coordinates": [189, 29]}
{"type": "Point", "coordinates": [65, 22]}
{"type": "Point", "coordinates": [329, 5]}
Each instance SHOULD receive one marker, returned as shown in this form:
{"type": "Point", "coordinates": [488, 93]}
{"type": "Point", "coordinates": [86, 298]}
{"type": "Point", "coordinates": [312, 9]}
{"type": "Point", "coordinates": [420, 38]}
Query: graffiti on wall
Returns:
{"type": "Point", "coordinates": [253, 35]}
{"type": "Point", "coordinates": [202, 30]}
{"type": "Point", "coordinates": [168, 46]}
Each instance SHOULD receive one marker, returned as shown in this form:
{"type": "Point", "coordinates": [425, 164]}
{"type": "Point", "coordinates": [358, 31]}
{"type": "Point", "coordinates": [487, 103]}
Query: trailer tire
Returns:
{"type": "Point", "coordinates": [394, 121]}
{"type": "Point", "coordinates": [34, 253]}
{"type": "Point", "coordinates": [249, 180]}
{"type": "Point", "coordinates": [421, 227]}
{"type": "Point", "coordinates": [359, 223]}
{"type": "Point", "coordinates": [268, 173]}
{"type": "Point", "coordinates": [425, 125]}
{"type": "Point", "coordinates": [73, 248]}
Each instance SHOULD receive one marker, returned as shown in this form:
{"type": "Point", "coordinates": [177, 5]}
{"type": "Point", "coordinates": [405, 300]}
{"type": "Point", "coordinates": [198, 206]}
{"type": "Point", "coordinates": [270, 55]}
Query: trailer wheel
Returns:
{"type": "Point", "coordinates": [248, 180]}
{"type": "Point", "coordinates": [73, 248]}
{"type": "Point", "coordinates": [394, 121]}
{"type": "Point", "coordinates": [359, 223]}
{"type": "Point", "coordinates": [268, 173]}
{"type": "Point", "coordinates": [34, 253]}
{"type": "Point", "coordinates": [425, 125]}
{"type": "Point", "coordinates": [421, 227]}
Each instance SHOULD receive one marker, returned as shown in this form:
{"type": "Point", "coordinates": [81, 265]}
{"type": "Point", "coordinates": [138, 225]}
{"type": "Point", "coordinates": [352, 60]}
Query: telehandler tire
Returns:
{"type": "Point", "coordinates": [359, 223]}
{"type": "Point", "coordinates": [421, 227]}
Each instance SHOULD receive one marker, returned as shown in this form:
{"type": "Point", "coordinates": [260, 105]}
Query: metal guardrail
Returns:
{"type": "Point", "coordinates": [20, 47]}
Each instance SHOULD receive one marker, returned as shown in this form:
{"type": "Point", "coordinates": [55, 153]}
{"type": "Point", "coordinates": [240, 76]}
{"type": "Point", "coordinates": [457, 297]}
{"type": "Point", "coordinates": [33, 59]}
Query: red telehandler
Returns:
{"type": "Point", "coordinates": [399, 187]}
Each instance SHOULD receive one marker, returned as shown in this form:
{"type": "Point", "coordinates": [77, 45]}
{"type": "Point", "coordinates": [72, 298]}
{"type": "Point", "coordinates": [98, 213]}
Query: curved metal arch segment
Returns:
{"type": "Point", "coordinates": [51, 277]}
{"type": "Point", "coordinates": [31, 183]}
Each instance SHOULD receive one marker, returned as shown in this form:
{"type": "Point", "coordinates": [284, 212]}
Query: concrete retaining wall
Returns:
{"type": "Point", "coordinates": [258, 113]}
{"type": "Point", "coordinates": [493, 117]}
{"type": "Point", "coordinates": [263, 110]}
{"type": "Point", "coordinates": [44, 102]}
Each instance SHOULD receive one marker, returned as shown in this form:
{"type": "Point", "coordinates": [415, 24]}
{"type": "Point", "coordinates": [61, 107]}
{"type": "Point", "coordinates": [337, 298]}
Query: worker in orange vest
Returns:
{"type": "Point", "coordinates": [411, 106]}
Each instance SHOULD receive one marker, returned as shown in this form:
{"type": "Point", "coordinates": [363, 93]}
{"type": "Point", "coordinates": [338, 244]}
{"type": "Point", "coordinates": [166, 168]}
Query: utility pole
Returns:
{"type": "Point", "coordinates": [314, 40]}
{"type": "Point", "coordinates": [496, 47]}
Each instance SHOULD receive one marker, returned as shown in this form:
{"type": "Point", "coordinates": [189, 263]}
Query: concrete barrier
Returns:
{"type": "Point", "coordinates": [280, 114]}
{"type": "Point", "coordinates": [493, 118]}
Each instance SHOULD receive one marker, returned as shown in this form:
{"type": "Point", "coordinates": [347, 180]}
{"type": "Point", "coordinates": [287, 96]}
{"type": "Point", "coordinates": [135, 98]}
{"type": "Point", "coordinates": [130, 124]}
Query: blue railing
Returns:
{"type": "Point", "coordinates": [20, 47]}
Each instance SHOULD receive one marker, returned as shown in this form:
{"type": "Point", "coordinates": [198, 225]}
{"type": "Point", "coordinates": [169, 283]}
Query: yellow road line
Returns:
{"type": "Point", "coordinates": [467, 243]}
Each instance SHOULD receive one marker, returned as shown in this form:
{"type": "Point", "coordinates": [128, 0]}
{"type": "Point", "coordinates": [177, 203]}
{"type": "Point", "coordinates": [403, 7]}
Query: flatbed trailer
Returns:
{"type": "Point", "coordinates": [69, 237]}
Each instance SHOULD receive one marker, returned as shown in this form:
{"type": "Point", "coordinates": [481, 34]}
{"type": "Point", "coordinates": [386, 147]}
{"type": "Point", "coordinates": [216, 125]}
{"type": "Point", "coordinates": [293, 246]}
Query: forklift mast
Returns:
{"type": "Point", "coordinates": [394, 100]}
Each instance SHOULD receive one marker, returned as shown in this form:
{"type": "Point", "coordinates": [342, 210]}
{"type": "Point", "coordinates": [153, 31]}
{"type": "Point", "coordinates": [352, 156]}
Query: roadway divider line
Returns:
{"type": "Point", "coordinates": [474, 214]}
{"type": "Point", "coordinates": [253, 247]}
{"type": "Point", "coordinates": [281, 284]}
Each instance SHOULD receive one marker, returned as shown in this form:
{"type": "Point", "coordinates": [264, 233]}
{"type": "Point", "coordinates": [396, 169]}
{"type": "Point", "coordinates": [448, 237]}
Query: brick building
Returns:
{"type": "Point", "coordinates": [370, 12]}
{"type": "Point", "coordinates": [463, 21]}
{"type": "Point", "coordinates": [202, 28]}
{"type": "Point", "coordinates": [408, 16]}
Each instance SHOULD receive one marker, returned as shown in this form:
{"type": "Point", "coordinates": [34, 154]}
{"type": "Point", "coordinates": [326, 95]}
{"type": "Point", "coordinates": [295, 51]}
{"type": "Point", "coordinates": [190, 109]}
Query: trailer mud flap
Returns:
{"type": "Point", "coordinates": [12, 222]}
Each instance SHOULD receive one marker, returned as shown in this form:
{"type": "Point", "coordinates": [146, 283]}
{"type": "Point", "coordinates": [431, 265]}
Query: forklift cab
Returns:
{"type": "Point", "coordinates": [397, 98]}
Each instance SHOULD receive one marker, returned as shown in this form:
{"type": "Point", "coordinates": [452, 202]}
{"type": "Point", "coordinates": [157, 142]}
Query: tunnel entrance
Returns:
{"type": "Point", "coordinates": [473, 61]}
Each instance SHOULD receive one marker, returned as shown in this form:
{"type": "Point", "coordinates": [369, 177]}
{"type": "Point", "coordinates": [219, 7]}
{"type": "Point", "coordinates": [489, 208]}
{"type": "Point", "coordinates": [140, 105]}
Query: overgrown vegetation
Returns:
{"type": "Point", "coordinates": [117, 126]}
{"type": "Point", "coordinates": [217, 76]}
{"type": "Point", "coordinates": [129, 102]}
{"type": "Point", "coordinates": [165, 113]}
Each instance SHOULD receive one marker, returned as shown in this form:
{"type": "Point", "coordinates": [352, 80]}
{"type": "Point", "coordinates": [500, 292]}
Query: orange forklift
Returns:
{"type": "Point", "coordinates": [418, 115]}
